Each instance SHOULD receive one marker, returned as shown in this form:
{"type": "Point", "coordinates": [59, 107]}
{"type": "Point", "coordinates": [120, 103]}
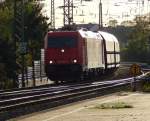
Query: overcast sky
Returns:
{"type": "Point", "coordinates": [87, 12]}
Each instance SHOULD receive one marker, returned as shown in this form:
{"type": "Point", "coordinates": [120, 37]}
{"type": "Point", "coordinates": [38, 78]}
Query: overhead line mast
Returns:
{"type": "Point", "coordinates": [52, 14]}
{"type": "Point", "coordinates": [68, 12]}
{"type": "Point", "coordinates": [100, 15]}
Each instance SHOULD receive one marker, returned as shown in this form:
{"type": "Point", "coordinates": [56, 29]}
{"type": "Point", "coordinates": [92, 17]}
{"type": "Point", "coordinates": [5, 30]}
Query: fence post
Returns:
{"type": "Point", "coordinates": [134, 84]}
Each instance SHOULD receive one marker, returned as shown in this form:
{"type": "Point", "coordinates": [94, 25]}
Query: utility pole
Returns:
{"type": "Point", "coordinates": [68, 12]}
{"type": "Point", "coordinates": [100, 15]}
{"type": "Point", "coordinates": [19, 34]}
{"type": "Point", "coordinates": [53, 14]}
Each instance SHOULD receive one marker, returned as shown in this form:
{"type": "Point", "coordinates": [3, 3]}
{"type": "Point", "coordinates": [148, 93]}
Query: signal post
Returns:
{"type": "Point", "coordinates": [135, 70]}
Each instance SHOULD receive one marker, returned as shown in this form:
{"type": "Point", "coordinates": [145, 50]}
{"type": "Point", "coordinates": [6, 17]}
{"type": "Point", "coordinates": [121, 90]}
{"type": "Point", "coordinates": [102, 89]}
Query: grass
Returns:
{"type": "Point", "coordinates": [146, 83]}
{"type": "Point", "coordinates": [146, 87]}
{"type": "Point", "coordinates": [115, 105]}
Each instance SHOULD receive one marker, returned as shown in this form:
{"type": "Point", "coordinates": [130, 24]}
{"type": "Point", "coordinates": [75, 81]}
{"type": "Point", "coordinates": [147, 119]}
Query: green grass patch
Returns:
{"type": "Point", "coordinates": [146, 83]}
{"type": "Point", "coordinates": [115, 105]}
{"type": "Point", "coordinates": [146, 87]}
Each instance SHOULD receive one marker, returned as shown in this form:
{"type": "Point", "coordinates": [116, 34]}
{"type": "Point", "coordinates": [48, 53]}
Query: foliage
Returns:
{"type": "Point", "coordinates": [146, 86]}
{"type": "Point", "coordinates": [113, 23]}
{"type": "Point", "coordinates": [134, 41]}
{"type": "Point", "coordinates": [7, 64]}
{"type": "Point", "coordinates": [146, 82]}
{"type": "Point", "coordinates": [7, 60]}
{"type": "Point", "coordinates": [137, 48]}
{"type": "Point", "coordinates": [35, 29]}
{"type": "Point", "coordinates": [121, 32]}
{"type": "Point", "coordinates": [128, 23]}
{"type": "Point", "coordinates": [6, 19]}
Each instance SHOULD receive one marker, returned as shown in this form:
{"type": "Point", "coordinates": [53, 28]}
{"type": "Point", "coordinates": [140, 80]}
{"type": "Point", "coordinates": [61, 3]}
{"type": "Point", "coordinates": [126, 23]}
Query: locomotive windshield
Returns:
{"type": "Point", "coordinates": [59, 42]}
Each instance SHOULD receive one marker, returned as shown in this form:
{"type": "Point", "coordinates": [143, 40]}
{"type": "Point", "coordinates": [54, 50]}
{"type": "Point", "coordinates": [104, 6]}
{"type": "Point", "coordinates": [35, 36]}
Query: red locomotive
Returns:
{"type": "Point", "coordinates": [78, 54]}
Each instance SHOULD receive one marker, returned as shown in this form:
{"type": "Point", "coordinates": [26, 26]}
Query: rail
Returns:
{"type": "Point", "coordinates": [37, 99]}
{"type": "Point", "coordinates": [31, 99]}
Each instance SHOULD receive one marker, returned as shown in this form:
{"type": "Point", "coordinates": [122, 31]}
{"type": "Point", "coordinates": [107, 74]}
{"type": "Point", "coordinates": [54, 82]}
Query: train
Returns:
{"type": "Point", "coordinates": [80, 54]}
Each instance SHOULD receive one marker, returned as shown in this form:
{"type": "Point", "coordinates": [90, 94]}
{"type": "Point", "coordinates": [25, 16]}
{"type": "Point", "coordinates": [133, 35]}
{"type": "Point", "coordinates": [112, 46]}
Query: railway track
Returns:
{"type": "Point", "coordinates": [19, 102]}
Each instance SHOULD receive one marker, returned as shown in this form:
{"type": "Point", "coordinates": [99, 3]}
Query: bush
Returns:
{"type": "Point", "coordinates": [146, 86]}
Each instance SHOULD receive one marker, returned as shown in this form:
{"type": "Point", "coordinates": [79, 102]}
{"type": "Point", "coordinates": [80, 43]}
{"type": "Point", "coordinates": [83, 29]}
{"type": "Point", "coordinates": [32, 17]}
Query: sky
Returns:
{"type": "Point", "coordinates": [88, 12]}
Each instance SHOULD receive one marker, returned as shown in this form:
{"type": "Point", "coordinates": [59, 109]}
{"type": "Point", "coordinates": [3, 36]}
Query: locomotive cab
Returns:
{"type": "Point", "coordinates": [63, 60]}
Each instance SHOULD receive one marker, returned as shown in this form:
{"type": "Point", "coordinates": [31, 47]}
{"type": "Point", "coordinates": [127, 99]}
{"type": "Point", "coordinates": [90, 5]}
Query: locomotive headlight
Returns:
{"type": "Point", "coordinates": [75, 61]}
{"type": "Point", "coordinates": [62, 50]}
{"type": "Point", "coordinates": [50, 61]}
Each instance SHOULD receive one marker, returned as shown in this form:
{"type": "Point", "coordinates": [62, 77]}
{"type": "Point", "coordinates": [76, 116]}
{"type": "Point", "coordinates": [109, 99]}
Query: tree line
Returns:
{"type": "Point", "coordinates": [137, 48]}
{"type": "Point", "coordinates": [134, 40]}
{"type": "Point", "coordinates": [35, 27]}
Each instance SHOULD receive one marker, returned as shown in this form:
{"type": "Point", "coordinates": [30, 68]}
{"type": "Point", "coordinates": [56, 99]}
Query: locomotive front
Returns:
{"type": "Point", "coordinates": [62, 55]}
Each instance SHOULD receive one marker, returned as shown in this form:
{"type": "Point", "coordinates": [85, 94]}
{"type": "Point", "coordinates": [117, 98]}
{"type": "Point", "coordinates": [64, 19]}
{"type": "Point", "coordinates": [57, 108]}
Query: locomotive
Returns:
{"type": "Point", "coordinates": [80, 54]}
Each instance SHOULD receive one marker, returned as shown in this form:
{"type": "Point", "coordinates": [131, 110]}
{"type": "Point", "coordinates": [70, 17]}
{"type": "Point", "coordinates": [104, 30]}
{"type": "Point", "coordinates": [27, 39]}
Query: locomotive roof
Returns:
{"type": "Point", "coordinates": [90, 34]}
{"type": "Point", "coordinates": [107, 36]}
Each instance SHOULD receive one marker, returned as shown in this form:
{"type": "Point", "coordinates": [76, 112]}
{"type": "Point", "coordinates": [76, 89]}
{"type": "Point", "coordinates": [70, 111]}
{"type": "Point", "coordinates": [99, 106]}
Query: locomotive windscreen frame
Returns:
{"type": "Point", "coordinates": [62, 41]}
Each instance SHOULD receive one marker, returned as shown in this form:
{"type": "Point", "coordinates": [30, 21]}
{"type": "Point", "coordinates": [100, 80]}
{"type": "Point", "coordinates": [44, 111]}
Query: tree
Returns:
{"type": "Point", "coordinates": [113, 23]}
{"type": "Point", "coordinates": [6, 19]}
{"type": "Point", "coordinates": [138, 46]}
{"type": "Point", "coordinates": [7, 64]}
{"type": "Point", "coordinates": [128, 23]}
{"type": "Point", "coordinates": [7, 60]}
{"type": "Point", "coordinates": [35, 28]}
